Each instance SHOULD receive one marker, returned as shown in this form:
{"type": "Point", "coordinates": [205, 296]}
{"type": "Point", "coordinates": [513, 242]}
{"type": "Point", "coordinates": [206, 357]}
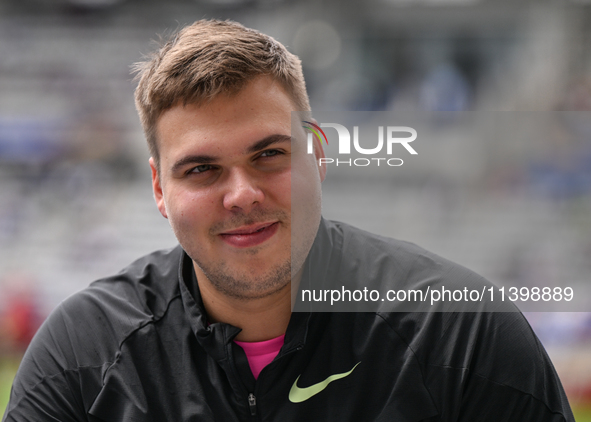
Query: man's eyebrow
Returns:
{"type": "Point", "coordinates": [269, 140]}
{"type": "Point", "coordinates": [193, 159]}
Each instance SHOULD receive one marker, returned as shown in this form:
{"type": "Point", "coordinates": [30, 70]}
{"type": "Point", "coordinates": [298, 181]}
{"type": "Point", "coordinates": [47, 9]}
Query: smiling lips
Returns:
{"type": "Point", "coordinates": [251, 235]}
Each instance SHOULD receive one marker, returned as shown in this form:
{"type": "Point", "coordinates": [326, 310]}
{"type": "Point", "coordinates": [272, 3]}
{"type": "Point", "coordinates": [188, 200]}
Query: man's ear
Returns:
{"type": "Point", "coordinates": [319, 153]}
{"type": "Point", "coordinates": [157, 188]}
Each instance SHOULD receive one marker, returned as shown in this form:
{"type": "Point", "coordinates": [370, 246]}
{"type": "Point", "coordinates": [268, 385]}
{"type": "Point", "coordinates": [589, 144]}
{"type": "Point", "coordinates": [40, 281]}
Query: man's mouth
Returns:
{"type": "Point", "coordinates": [251, 235]}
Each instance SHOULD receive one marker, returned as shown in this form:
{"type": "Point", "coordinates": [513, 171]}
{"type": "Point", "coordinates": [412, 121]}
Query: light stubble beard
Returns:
{"type": "Point", "coordinates": [245, 286]}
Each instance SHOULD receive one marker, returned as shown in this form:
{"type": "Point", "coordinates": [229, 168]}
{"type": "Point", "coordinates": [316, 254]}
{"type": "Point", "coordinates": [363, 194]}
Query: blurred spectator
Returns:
{"type": "Point", "coordinates": [19, 316]}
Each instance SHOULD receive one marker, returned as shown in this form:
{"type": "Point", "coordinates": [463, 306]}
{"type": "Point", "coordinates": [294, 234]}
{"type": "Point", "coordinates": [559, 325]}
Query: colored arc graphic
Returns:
{"type": "Point", "coordinates": [315, 128]}
{"type": "Point", "coordinates": [298, 395]}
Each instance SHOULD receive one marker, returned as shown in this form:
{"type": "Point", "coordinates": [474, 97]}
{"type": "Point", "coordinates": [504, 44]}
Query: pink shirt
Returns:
{"type": "Point", "coordinates": [261, 353]}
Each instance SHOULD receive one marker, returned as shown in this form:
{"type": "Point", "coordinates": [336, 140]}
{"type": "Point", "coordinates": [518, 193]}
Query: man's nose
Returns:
{"type": "Point", "coordinates": [243, 192]}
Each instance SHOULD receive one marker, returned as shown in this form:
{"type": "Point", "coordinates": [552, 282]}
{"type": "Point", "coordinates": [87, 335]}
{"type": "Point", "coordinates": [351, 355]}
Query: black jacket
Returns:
{"type": "Point", "coordinates": [137, 347]}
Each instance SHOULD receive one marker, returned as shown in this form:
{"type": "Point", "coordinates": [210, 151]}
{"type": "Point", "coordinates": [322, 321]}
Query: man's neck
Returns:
{"type": "Point", "coordinates": [260, 319]}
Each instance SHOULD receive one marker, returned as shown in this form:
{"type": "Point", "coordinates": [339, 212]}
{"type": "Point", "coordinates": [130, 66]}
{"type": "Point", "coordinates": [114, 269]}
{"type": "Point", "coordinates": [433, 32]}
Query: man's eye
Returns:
{"type": "Point", "coordinates": [200, 169]}
{"type": "Point", "coordinates": [270, 153]}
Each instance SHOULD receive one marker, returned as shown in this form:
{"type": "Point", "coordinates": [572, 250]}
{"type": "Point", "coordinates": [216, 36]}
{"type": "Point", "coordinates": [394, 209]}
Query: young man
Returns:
{"type": "Point", "coordinates": [205, 331]}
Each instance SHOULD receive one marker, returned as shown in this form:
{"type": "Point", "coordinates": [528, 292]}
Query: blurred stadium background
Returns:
{"type": "Point", "coordinates": [75, 194]}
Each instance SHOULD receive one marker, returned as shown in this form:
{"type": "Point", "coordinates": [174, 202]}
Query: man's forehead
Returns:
{"type": "Point", "coordinates": [219, 120]}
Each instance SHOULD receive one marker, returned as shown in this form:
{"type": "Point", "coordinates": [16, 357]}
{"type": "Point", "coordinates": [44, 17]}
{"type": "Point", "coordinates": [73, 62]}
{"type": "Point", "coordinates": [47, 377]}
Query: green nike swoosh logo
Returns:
{"type": "Point", "coordinates": [298, 395]}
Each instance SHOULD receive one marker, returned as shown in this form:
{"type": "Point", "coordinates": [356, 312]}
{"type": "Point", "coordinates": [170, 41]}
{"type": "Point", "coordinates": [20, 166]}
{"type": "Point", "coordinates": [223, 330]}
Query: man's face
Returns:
{"type": "Point", "coordinates": [230, 176]}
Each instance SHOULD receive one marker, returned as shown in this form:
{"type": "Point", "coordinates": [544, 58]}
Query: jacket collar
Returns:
{"type": "Point", "coordinates": [215, 337]}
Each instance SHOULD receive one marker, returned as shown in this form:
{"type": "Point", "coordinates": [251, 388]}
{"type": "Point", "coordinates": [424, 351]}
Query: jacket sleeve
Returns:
{"type": "Point", "coordinates": [486, 367]}
{"type": "Point", "coordinates": [511, 377]}
{"type": "Point", "coordinates": [52, 382]}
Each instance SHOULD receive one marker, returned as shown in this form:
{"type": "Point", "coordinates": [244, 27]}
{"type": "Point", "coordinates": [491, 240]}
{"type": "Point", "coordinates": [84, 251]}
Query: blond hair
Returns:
{"type": "Point", "coordinates": [206, 59]}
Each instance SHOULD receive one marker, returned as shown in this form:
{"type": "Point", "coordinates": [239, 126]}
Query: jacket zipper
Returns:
{"type": "Point", "coordinates": [252, 404]}
{"type": "Point", "coordinates": [252, 400]}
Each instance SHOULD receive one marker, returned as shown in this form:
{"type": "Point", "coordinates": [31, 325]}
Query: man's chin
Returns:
{"type": "Point", "coordinates": [250, 291]}
{"type": "Point", "coordinates": [249, 283]}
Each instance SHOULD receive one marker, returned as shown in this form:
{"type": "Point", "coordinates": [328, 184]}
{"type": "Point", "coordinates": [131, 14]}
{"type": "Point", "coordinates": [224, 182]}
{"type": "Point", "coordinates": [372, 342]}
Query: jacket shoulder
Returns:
{"type": "Point", "coordinates": [82, 337]}
{"type": "Point", "coordinates": [407, 277]}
